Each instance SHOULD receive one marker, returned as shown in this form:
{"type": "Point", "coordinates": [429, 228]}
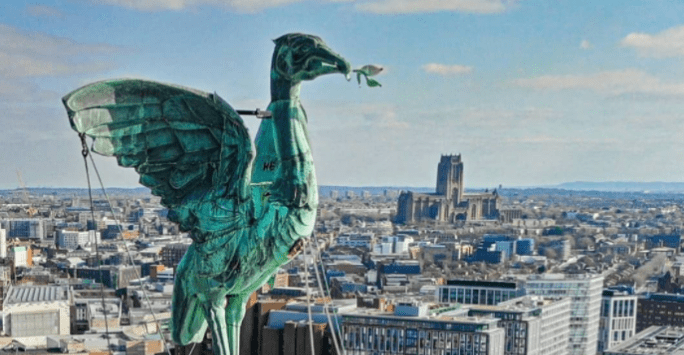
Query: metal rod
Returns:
{"type": "Point", "coordinates": [259, 113]}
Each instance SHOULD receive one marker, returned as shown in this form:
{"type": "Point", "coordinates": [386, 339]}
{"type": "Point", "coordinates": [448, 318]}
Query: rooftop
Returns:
{"type": "Point", "coordinates": [653, 340]}
{"type": "Point", "coordinates": [35, 294]}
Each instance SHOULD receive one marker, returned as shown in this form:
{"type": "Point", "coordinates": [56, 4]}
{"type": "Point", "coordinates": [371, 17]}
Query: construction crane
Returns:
{"type": "Point", "coordinates": [30, 209]}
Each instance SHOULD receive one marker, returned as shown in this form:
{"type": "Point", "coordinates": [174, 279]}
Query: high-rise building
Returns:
{"type": "Point", "coordinates": [618, 318]}
{"type": "Point", "coordinates": [585, 291]}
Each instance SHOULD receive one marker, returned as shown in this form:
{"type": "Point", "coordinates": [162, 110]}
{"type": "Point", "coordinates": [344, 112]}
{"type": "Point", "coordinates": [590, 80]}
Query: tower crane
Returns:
{"type": "Point", "coordinates": [30, 209]}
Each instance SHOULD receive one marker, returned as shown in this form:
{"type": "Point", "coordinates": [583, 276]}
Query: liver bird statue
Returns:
{"type": "Point", "coordinates": [245, 214]}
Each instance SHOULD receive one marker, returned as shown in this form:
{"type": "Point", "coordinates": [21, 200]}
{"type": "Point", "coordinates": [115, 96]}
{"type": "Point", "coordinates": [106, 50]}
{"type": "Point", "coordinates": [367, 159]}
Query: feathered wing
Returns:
{"type": "Point", "coordinates": [184, 143]}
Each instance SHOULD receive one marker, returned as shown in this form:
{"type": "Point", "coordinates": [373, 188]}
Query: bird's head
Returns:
{"type": "Point", "coordinates": [298, 57]}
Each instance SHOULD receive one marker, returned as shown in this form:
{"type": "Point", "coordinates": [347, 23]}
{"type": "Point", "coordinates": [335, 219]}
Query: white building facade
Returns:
{"type": "Point", "coordinates": [534, 325]}
{"type": "Point", "coordinates": [37, 311]}
{"type": "Point", "coordinates": [73, 239]}
{"type": "Point", "coordinates": [3, 243]}
{"type": "Point", "coordinates": [585, 292]}
{"type": "Point", "coordinates": [618, 318]}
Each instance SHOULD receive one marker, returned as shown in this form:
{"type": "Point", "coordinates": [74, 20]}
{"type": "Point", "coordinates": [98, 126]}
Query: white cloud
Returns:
{"type": "Point", "coordinates": [668, 43]}
{"type": "Point", "coordinates": [629, 81]}
{"type": "Point", "coordinates": [427, 6]}
{"type": "Point", "coordinates": [32, 54]}
{"type": "Point", "coordinates": [248, 6]}
{"type": "Point", "coordinates": [585, 44]}
{"type": "Point", "coordinates": [446, 69]}
{"type": "Point", "coordinates": [372, 6]}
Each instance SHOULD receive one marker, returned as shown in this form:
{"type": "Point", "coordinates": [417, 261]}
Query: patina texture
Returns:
{"type": "Point", "coordinates": [244, 213]}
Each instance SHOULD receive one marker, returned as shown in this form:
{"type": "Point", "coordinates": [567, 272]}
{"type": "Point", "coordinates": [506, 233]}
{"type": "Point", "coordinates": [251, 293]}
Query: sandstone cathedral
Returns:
{"type": "Point", "coordinates": [450, 203]}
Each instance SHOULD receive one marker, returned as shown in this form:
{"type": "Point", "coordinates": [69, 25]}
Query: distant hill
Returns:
{"type": "Point", "coordinates": [114, 191]}
{"type": "Point", "coordinates": [622, 186]}
{"type": "Point", "coordinates": [324, 190]}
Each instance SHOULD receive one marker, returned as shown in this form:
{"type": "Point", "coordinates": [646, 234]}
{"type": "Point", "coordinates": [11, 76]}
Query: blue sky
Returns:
{"type": "Point", "coordinates": [530, 92]}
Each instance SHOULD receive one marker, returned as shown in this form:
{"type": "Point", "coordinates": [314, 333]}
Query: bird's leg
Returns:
{"type": "Point", "coordinates": [215, 311]}
{"type": "Point", "coordinates": [235, 312]}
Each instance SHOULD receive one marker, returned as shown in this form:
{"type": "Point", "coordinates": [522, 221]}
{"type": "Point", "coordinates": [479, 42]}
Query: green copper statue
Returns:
{"type": "Point", "coordinates": [192, 149]}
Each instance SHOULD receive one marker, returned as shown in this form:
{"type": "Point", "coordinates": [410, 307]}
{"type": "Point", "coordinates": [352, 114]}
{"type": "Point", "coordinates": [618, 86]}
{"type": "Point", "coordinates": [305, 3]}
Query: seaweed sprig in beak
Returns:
{"type": "Point", "coordinates": [367, 71]}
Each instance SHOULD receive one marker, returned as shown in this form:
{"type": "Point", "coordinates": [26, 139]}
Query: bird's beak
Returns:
{"type": "Point", "coordinates": [325, 61]}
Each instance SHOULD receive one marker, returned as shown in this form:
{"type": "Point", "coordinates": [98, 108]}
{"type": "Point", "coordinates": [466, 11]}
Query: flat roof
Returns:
{"type": "Point", "coordinates": [34, 294]}
{"type": "Point", "coordinates": [652, 340]}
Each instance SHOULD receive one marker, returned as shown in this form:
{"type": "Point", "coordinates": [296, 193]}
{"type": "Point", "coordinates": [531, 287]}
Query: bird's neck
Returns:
{"type": "Point", "coordinates": [282, 89]}
{"type": "Point", "coordinates": [290, 140]}
{"type": "Point", "coordinates": [288, 121]}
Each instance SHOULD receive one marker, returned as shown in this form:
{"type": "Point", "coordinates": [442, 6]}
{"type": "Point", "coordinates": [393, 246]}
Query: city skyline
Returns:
{"type": "Point", "coordinates": [530, 93]}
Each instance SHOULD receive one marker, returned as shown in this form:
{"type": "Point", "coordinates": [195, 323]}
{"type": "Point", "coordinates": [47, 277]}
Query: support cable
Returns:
{"type": "Point", "coordinates": [128, 251]}
{"type": "Point", "coordinates": [333, 332]}
{"type": "Point", "coordinates": [329, 294]}
{"type": "Point", "coordinates": [85, 152]}
{"type": "Point", "coordinates": [308, 303]}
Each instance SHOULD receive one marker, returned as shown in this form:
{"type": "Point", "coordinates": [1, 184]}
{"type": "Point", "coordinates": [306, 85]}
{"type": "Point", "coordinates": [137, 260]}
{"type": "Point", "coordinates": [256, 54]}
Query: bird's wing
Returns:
{"type": "Point", "coordinates": [181, 141]}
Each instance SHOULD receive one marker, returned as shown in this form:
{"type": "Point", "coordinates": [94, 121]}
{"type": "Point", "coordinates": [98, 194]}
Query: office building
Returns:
{"type": "Point", "coordinates": [534, 325]}
{"type": "Point", "coordinates": [585, 291]}
{"type": "Point", "coordinates": [356, 240]}
{"type": "Point", "coordinates": [618, 318]}
{"type": "Point", "coordinates": [409, 329]}
{"type": "Point", "coordinates": [72, 239]}
{"type": "Point", "coordinates": [111, 276]}
{"type": "Point", "coordinates": [477, 292]}
{"type": "Point", "coordinates": [172, 254]}
{"type": "Point", "coordinates": [660, 309]}
{"type": "Point", "coordinates": [31, 228]}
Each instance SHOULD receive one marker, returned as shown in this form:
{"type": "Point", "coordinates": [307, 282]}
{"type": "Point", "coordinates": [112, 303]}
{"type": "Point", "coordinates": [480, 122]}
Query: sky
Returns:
{"type": "Point", "coordinates": [530, 92]}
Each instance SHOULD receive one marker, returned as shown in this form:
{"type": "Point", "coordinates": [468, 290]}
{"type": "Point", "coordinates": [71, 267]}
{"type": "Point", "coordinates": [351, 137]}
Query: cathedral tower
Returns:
{"type": "Point", "coordinates": [450, 178]}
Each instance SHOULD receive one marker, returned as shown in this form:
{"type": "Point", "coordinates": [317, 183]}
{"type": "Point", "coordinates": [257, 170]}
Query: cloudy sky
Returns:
{"type": "Point", "coordinates": [530, 92]}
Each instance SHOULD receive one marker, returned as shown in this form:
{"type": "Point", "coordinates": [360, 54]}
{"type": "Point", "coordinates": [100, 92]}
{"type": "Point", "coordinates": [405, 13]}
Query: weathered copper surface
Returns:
{"type": "Point", "coordinates": [244, 213]}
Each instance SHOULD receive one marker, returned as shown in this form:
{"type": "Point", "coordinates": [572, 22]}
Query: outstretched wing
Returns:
{"type": "Point", "coordinates": [181, 141]}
